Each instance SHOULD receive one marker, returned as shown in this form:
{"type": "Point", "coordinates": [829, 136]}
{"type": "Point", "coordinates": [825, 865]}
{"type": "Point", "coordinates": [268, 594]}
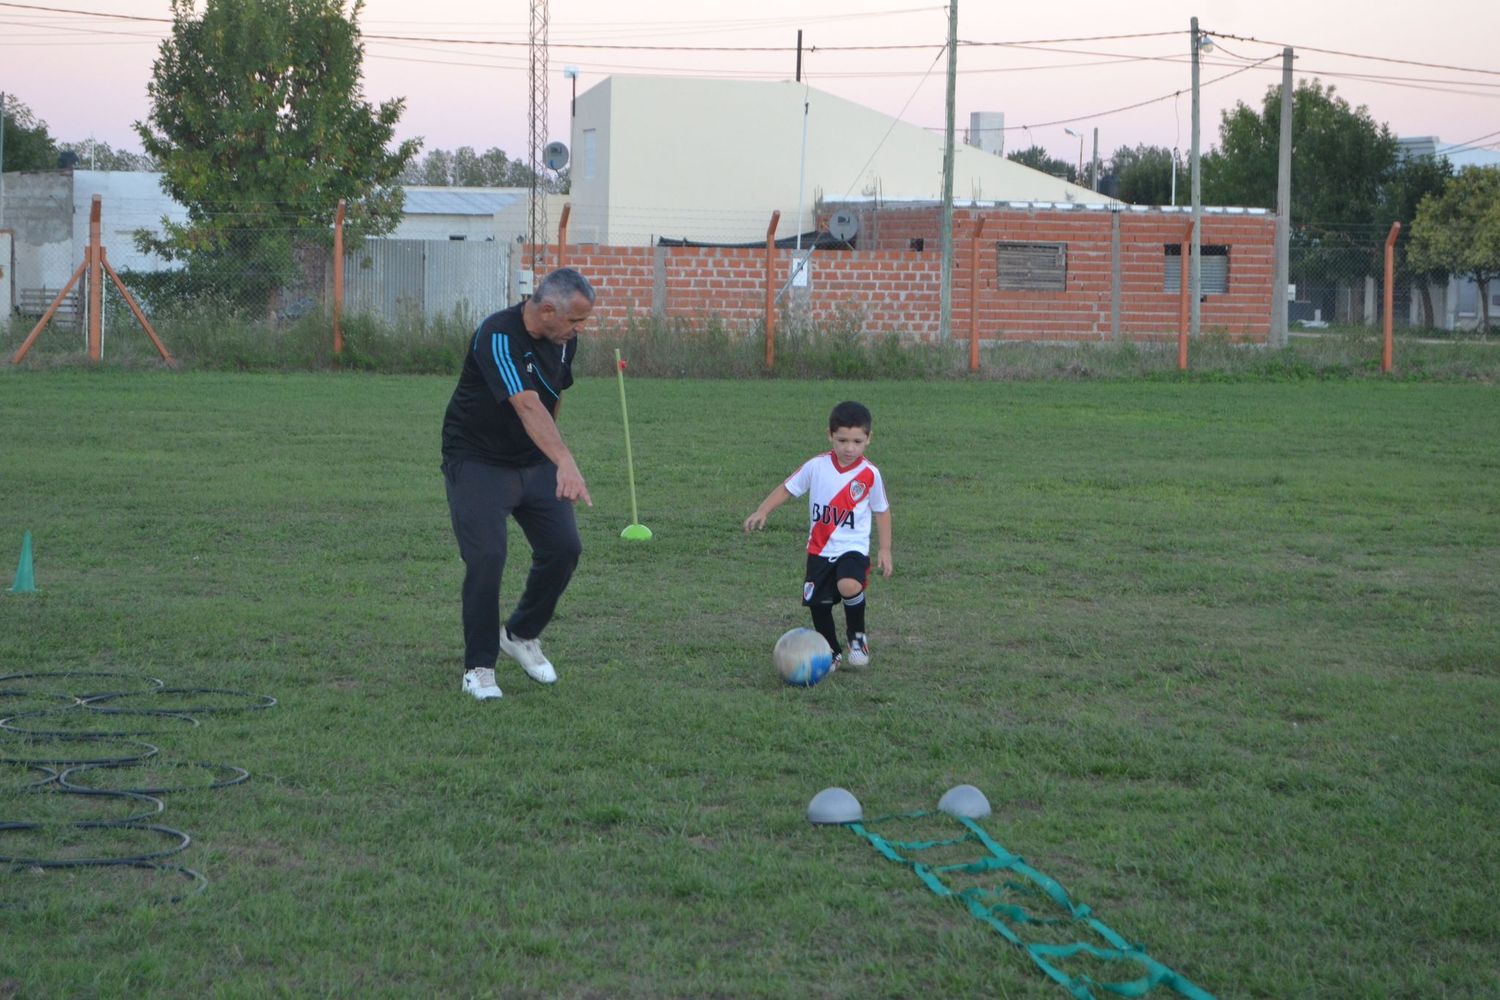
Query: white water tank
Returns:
{"type": "Point", "coordinates": [987, 131]}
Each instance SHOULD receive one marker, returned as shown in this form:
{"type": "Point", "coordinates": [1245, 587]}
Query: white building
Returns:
{"type": "Point", "coordinates": [710, 160]}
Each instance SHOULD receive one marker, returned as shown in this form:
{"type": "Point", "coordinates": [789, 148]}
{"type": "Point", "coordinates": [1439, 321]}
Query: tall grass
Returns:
{"type": "Point", "coordinates": [208, 339]}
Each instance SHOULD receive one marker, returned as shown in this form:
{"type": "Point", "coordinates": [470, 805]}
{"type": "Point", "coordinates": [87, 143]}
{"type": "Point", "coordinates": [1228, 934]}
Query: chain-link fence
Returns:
{"type": "Point", "coordinates": [1119, 279]}
{"type": "Point", "coordinates": [1337, 277]}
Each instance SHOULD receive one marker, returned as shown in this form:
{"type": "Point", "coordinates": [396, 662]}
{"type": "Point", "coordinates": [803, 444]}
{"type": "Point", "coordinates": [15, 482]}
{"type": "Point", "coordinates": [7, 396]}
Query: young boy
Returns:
{"type": "Point", "coordinates": [844, 493]}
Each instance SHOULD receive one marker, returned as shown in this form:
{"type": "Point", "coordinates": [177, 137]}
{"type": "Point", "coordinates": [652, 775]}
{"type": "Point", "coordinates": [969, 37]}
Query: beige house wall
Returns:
{"type": "Point", "coordinates": [710, 159]}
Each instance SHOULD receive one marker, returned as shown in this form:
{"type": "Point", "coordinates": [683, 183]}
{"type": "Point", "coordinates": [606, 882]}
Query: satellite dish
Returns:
{"type": "Point", "coordinates": [843, 226]}
{"type": "Point", "coordinates": [555, 155]}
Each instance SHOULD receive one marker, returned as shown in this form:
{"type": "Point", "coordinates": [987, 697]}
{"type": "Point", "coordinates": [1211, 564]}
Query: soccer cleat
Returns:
{"type": "Point", "coordinates": [528, 653]}
{"type": "Point", "coordinates": [480, 682]}
{"type": "Point", "coordinates": [838, 661]}
{"type": "Point", "coordinates": [859, 650]}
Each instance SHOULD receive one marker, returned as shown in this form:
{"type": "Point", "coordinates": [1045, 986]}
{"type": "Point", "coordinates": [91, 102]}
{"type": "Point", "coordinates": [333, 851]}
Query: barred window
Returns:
{"type": "Point", "coordinates": [1031, 266]}
{"type": "Point", "coordinates": [1214, 268]}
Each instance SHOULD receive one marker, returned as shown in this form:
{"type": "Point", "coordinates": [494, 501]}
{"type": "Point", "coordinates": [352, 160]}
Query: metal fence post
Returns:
{"type": "Point", "coordinates": [771, 289]}
{"type": "Point", "coordinates": [1390, 293]}
{"type": "Point", "coordinates": [338, 280]}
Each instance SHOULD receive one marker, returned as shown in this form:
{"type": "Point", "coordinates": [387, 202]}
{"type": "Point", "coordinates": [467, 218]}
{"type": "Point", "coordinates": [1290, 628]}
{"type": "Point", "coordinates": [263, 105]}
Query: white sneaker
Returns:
{"type": "Point", "coordinates": [480, 682]}
{"type": "Point", "coordinates": [859, 650]}
{"type": "Point", "coordinates": [528, 653]}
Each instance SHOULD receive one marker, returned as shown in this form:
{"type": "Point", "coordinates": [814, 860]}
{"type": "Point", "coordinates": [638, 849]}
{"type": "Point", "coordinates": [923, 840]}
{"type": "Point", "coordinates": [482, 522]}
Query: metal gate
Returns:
{"type": "Point", "coordinates": [403, 280]}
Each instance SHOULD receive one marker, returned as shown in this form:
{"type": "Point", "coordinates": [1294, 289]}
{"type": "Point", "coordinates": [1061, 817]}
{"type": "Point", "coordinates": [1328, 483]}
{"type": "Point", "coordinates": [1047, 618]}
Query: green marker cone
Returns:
{"type": "Point", "coordinates": [25, 577]}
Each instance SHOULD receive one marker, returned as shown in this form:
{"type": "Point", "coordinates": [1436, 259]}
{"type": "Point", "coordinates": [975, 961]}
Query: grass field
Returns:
{"type": "Point", "coordinates": [1225, 657]}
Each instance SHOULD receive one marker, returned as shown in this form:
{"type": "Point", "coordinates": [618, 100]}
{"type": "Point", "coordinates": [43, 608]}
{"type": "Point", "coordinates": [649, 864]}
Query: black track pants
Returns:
{"type": "Point", "coordinates": [481, 497]}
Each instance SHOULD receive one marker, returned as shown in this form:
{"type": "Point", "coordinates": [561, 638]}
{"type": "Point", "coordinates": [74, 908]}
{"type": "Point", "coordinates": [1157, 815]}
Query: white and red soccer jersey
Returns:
{"type": "Point", "coordinates": [839, 503]}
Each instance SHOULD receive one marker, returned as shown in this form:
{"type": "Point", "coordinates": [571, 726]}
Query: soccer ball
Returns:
{"type": "Point", "coordinates": [802, 657]}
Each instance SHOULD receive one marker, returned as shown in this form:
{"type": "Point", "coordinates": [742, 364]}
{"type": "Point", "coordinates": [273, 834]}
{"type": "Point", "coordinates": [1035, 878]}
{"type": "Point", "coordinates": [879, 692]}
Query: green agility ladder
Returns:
{"type": "Point", "coordinates": [1009, 919]}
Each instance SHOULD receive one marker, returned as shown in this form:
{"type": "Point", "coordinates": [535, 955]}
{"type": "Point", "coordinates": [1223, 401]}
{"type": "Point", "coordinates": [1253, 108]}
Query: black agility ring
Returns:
{"type": "Point", "coordinates": [51, 776]}
{"type": "Point", "coordinates": [264, 701]}
{"type": "Point", "coordinates": [37, 695]}
{"type": "Point", "coordinates": [6, 723]}
{"type": "Point", "coordinates": [152, 682]}
{"type": "Point", "coordinates": [153, 805]}
{"type": "Point", "coordinates": [237, 775]}
{"type": "Point", "coordinates": [76, 760]}
{"type": "Point", "coordinates": [183, 840]}
{"type": "Point", "coordinates": [197, 880]}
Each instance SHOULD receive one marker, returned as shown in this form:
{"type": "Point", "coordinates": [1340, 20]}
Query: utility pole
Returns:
{"type": "Point", "coordinates": [538, 134]}
{"type": "Point", "coordinates": [945, 294]}
{"type": "Point", "coordinates": [1094, 163]}
{"type": "Point", "coordinates": [2, 168]}
{"type": "Point", "coordinates": [1195, 278]}
{"type": "Point", "coordinates": [1283, 208]}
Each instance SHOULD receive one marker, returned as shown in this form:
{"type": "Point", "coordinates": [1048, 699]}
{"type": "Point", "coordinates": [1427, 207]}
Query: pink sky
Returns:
{"type": "Point", "coordinates": [86, 76]}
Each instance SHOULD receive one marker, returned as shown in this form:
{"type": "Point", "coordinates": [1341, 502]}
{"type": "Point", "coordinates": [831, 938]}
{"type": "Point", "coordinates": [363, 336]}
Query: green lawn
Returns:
{"type": "Point", "coordinates": [1225, 657]}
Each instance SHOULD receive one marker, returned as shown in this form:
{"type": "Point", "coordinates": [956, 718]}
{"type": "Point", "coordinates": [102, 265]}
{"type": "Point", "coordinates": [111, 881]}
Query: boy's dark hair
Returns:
{"type": "Point", "coordinates": [849, 414]}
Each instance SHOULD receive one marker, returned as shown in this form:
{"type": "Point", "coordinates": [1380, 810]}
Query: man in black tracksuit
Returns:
{"type": "Point", "coordinates": [504, 457]}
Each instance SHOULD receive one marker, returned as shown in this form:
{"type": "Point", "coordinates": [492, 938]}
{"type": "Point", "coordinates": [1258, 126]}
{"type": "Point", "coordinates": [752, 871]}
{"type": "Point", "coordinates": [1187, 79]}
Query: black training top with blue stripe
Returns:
{"type": "Point", "coordinates": [503, 360]}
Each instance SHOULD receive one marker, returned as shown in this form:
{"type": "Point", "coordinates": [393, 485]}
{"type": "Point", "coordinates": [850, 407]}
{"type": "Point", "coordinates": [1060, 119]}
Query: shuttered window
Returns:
{"type": "Point", "coordinates": [1031, 266]}
{"type": "Point", "coordinates": [1214, 265]}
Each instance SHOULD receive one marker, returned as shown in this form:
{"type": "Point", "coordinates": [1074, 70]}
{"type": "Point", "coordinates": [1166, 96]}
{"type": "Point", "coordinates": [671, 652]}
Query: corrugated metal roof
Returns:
{"type": "Point", "coordinates": [458, 201]}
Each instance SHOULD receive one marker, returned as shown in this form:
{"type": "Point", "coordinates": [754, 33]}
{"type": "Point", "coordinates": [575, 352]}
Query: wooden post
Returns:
{"type": "Point", "coordinates": [1186, 290]}
{"type": "Point", "coordinates": [338, 280]}
{"type": "Point", "coordinates": [135, 310]}
{"type": "Point", "coordinates": [1390, 276]}
{"type": "Point", "coordinates": [96, 263]}
{"type": "Point", "coordinates": [96, 283]}
{"type": "Point", "coordinates": [36, 331]}
{"type": "Point", "coordinates": [771, 289]}
{"type": "Point", "coordinates": [562, 235]}
{"type": "Point", "coordinates": [974, 295]}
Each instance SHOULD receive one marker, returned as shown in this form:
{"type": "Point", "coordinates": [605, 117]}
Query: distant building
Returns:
{"type": "Point", "coordinates": [987, 131]}
{"type": "Point", "coordinates": [710, 160]}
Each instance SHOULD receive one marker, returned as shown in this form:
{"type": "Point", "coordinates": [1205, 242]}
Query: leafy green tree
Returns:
{"type": "Point", "coordinates": [28, 146]}
{"type": "Point", "coordinates": [1340, 158]}
{"type": "Point", "coordinates": [1412, 180]}
{"type": "Point", "coordinates": [463, 167]}
{"type": "Point", "coordinates": [1458, 231]}
{"type": "Point", "coordinates": [260, 127]}
{"type": "Point", "coordinates": [1038, 158]}
{"type": "Point", "coordinates": [95, 155]}
{"type": "Point", "coordinates": [1143, 175]}
{"type": "Point", "coordinates": [435, 169]}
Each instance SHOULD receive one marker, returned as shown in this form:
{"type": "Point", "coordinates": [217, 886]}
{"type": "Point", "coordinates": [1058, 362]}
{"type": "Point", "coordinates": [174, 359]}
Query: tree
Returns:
{"type": "Point", "coordinates": [94, 155]}
{"type": "Point", "coordinates": [465, 168]}
{"type": "Point", "coordinates": [1459, 231]}
{"type": "Point", "coordinates": [1143, 175]}
{"type": "Point", "coordinates": [1038, 158]}
{"type": "Point", "coordinates": [1340, 158]}
{"type": "Point", "coordinates": [260, 127]}
{"type": "Point", "coordinates": [1410, 182]}
{"type": "Point", "coordinates": [28, 146]}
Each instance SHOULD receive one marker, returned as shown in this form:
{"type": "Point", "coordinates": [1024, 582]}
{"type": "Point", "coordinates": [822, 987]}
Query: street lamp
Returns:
{"type": "Point", "coordinates": [1079, 137]}
{"type": "Point", "coordinates": [571, 73]}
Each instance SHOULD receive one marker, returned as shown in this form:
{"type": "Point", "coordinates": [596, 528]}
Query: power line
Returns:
{"type": "Point", "coordinates": [1138, 104]}
{"type": "Point", "coordinates": [1353, 55]}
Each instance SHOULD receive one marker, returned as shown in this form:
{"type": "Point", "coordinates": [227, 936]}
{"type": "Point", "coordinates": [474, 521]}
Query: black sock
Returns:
{"type": "Point", "coordinates": [822, 616]}
{"type": "Point", "coordinates": [854, 614]}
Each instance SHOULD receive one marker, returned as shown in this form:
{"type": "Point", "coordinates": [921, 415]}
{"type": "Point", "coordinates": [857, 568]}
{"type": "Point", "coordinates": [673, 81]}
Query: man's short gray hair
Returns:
{"type": "Point", "coordinates": [561, 285]}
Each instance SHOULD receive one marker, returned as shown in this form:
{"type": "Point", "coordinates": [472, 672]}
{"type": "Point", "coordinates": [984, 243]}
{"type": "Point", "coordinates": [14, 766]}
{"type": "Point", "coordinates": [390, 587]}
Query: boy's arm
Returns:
{"type": "Point", "coordinates": [777, 497]}
{"type": "Point", "coordinates": [883, 528]}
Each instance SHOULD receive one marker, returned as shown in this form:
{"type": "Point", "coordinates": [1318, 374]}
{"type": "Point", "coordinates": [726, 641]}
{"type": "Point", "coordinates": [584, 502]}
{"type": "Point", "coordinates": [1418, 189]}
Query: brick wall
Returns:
{"type": "Point", "coordinates": [892, 289]}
